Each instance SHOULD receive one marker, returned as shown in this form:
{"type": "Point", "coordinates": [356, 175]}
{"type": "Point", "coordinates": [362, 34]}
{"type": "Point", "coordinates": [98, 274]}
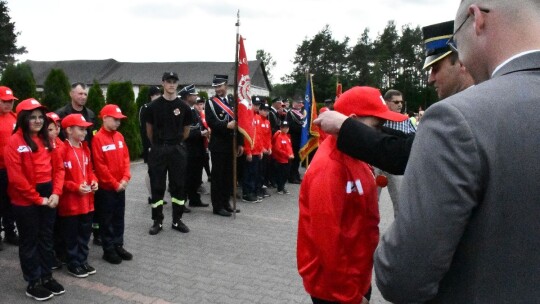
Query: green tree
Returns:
{"type": "Point", "coordinates": [268, 62]}
{"type": "Point", "coordinates": [411, 80]}
{"type": "Point", "coordinates": [324, 57]}
{"type": "Point", "coordinates": [8, 38]}
{"type": "Point", "coordinates": [20, 79]}
{"type": "Point", "coordinates": [121, 94]}
{"type": "Point", "coordinates": [142, 99]}
{"type": "Point", "coordinates": [56, 89]}
{"type": "Point", "coordinates": [203, 94]}
{"type": "Point", "coordinates": [386, 63]}
{"type": "Point", "coordinates": [96, 100]}
{"type": "Point", "coordinates": [361, 61]}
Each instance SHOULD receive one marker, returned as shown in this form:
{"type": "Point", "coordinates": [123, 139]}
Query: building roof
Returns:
{"type": "Point", "coordinates": [144, 73]}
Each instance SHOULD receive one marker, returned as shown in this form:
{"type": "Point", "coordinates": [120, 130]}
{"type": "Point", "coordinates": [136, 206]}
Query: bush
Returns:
{"type": "Point", "coordinates": [56, 89]}
{"type": "Point", "coordinates": [20, 79]}
{"type": "Point", "coordinates": [95, 101]}
{"type": "Point", "coordinates": [142, 99]}
{"type": "Point", "coordinates": [121, 94]}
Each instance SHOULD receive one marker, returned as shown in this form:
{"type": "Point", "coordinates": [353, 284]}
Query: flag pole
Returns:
{"type": "Point", "coordinates": [235, 130]}
{"type": "Point", "coordinates": [307, 81]}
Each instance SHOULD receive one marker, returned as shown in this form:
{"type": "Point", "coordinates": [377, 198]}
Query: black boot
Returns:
{"type": "Point", "coordinates": [177, 223]}
{"type": "Point", "coordinates": [157, 216]}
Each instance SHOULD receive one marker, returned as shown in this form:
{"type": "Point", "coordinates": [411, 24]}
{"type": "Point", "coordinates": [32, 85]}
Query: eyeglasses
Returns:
{"type": "Point", "coordinates": [451, 42]}
{"type": "Point", "coordinates": [397, 101]}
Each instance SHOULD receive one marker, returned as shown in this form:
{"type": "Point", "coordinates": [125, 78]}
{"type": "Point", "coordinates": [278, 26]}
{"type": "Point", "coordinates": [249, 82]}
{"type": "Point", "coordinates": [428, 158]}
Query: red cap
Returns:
{"type": "Point", "coordinates": [365, 101]}
{"type": "Point", "coordinates": [6, 94]}
{"type": "Point", "coordinates": [29, 105]}
{"type": "Point", "coordinates": [75, 120]}
{"type": "Point", "coordinates": [53, 117]}
{"type": "Point", "coordinates": [112, 110]}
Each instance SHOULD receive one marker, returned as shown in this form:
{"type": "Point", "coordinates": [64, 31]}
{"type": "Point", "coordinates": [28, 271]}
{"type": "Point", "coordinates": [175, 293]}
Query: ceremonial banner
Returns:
{"type": "Point", "coordinates": [246, 125]}
{"type": "Point", "coordinates": [310, 132]}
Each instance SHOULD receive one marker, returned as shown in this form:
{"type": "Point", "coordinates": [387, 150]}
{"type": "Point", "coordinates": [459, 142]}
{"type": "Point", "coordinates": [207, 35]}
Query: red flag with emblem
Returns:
{"type": "Point", "coordinates": [246, 124]}
{"type": "Point", "coordinates": [339, 89]}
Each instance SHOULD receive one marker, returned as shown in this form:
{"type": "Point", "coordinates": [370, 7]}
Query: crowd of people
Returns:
{"type": "Point", "coordinates": [71, 179]}
{"type": "Point", "coordinates": [57, 186]}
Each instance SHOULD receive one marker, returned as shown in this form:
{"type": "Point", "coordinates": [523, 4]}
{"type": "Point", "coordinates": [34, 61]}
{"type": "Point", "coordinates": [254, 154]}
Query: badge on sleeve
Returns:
{"type": "Point", "coordinates": [176, 111]}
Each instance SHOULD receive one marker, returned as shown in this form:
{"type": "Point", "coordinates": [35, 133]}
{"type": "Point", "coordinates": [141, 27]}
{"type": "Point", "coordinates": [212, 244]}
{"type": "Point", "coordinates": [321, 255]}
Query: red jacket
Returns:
{"type": "Point", "coordinates": [264, 133]}
{"type": "Point", "coordinates": [20, 169]}
{"type": "Point", "coordinates": [257, 141]}
{"type": "Point", "coordinates": [7, 124]}
{"type": "Point", "coordinates": [58, 143]}
{"type": "Point", "coordinates": [111, 159]}
{"type": "Point", "coordinates": [76, 161]}
{"type": "Point", "coordinates": [205, 124]}
{"type": "Point", "coordinates": [281, 147]}
{"type": "Point", "coordinates": [338, 226]}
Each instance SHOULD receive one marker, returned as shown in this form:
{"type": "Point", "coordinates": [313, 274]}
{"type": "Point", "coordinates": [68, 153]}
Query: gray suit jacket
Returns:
{"type": "Point", "coordinates": [468, 230]}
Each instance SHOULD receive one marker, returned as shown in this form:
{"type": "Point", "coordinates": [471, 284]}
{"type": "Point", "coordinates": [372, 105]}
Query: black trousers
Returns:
{"type": "Point", "coordinates": [35, 224]}
{"type": "Point", "coordinates": [251, 175]}
{"type": "Point", "coordinates": [195, 164]}
{"type": "Point", "coordinates": [221, 187]}
{"type": "Point", "coordinates": [264, 166]}
{"type": "Point", "coordinates": [163, 160]}
{"type": "Point", "coordinates": [7, 221]}
{"type": "Point", "coordinates": [110, 211]}
{"type": "Point", "coordinates": [282, 171]}
{"type": "Point", "coordinates": [76, 231]}
{"type": "Point", "coordinates": [295, 163]}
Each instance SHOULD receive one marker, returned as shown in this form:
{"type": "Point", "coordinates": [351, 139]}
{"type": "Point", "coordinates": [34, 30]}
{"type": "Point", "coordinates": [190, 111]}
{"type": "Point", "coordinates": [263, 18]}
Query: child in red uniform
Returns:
{"type": "Point", "coordinates": [7, 124]}
{"type": "Point", "coordinates": [54, 127]}
{"type": "Point", "coordinates": [264, 135]}
{"type": "Point", "coordinates": [339, 216]}
{"type": "Point", "coordinates": [111, 161]}
{"type": "Point", "coordinates": [36, 176]}
{"type": "Point", "coordinates": [76, 207]}
{"type": "Point", "coordinates": [282, 153]}
{"type": "Point", "coordinates": [251, 165]}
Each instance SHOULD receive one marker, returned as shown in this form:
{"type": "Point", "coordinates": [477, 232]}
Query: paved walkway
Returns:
{"type": "Point", "coordinates": [251, 259]}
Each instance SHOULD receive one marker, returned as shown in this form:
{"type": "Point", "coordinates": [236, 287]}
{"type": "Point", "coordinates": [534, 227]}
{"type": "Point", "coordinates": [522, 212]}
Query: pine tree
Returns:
{"type": "Point", "coordinates": [8, 38]}
{"type": "Point", "coordinates": [142, 99]}
{"type": "Point", "coordinates": [122, 95]}
{"type": "Point", "coordinates": [56, 89]}
{"type": "Point", "coordinates": [95, 101]}
{"type": "Point", "coordinates": [20, 79]}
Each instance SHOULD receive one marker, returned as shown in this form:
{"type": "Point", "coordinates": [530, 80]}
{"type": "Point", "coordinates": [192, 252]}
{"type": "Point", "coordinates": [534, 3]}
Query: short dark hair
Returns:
{"type": "Point", "coordinates": [76, 84]}
{"type": "Point", "coordinates": [391, 93]}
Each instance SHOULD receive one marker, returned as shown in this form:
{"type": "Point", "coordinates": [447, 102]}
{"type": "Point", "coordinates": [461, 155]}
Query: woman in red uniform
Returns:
{"type": "Point", "coordinates": [36, 176]}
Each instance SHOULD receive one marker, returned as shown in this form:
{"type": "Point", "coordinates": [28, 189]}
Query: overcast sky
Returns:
{"type": "Point", "coordinates": [202, 30]}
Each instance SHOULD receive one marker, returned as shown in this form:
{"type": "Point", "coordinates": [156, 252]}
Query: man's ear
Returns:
{"type": "Point", "coordinates": [479, 21]}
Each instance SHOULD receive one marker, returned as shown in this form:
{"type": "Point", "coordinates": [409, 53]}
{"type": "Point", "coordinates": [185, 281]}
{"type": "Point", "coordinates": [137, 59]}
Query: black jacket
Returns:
{"type": "Point", "coordinates": [387, 150]}
{"type": "Point", "coordinates": [86, 113]}
{"type": "Point", "coordinates": [222, 137]}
